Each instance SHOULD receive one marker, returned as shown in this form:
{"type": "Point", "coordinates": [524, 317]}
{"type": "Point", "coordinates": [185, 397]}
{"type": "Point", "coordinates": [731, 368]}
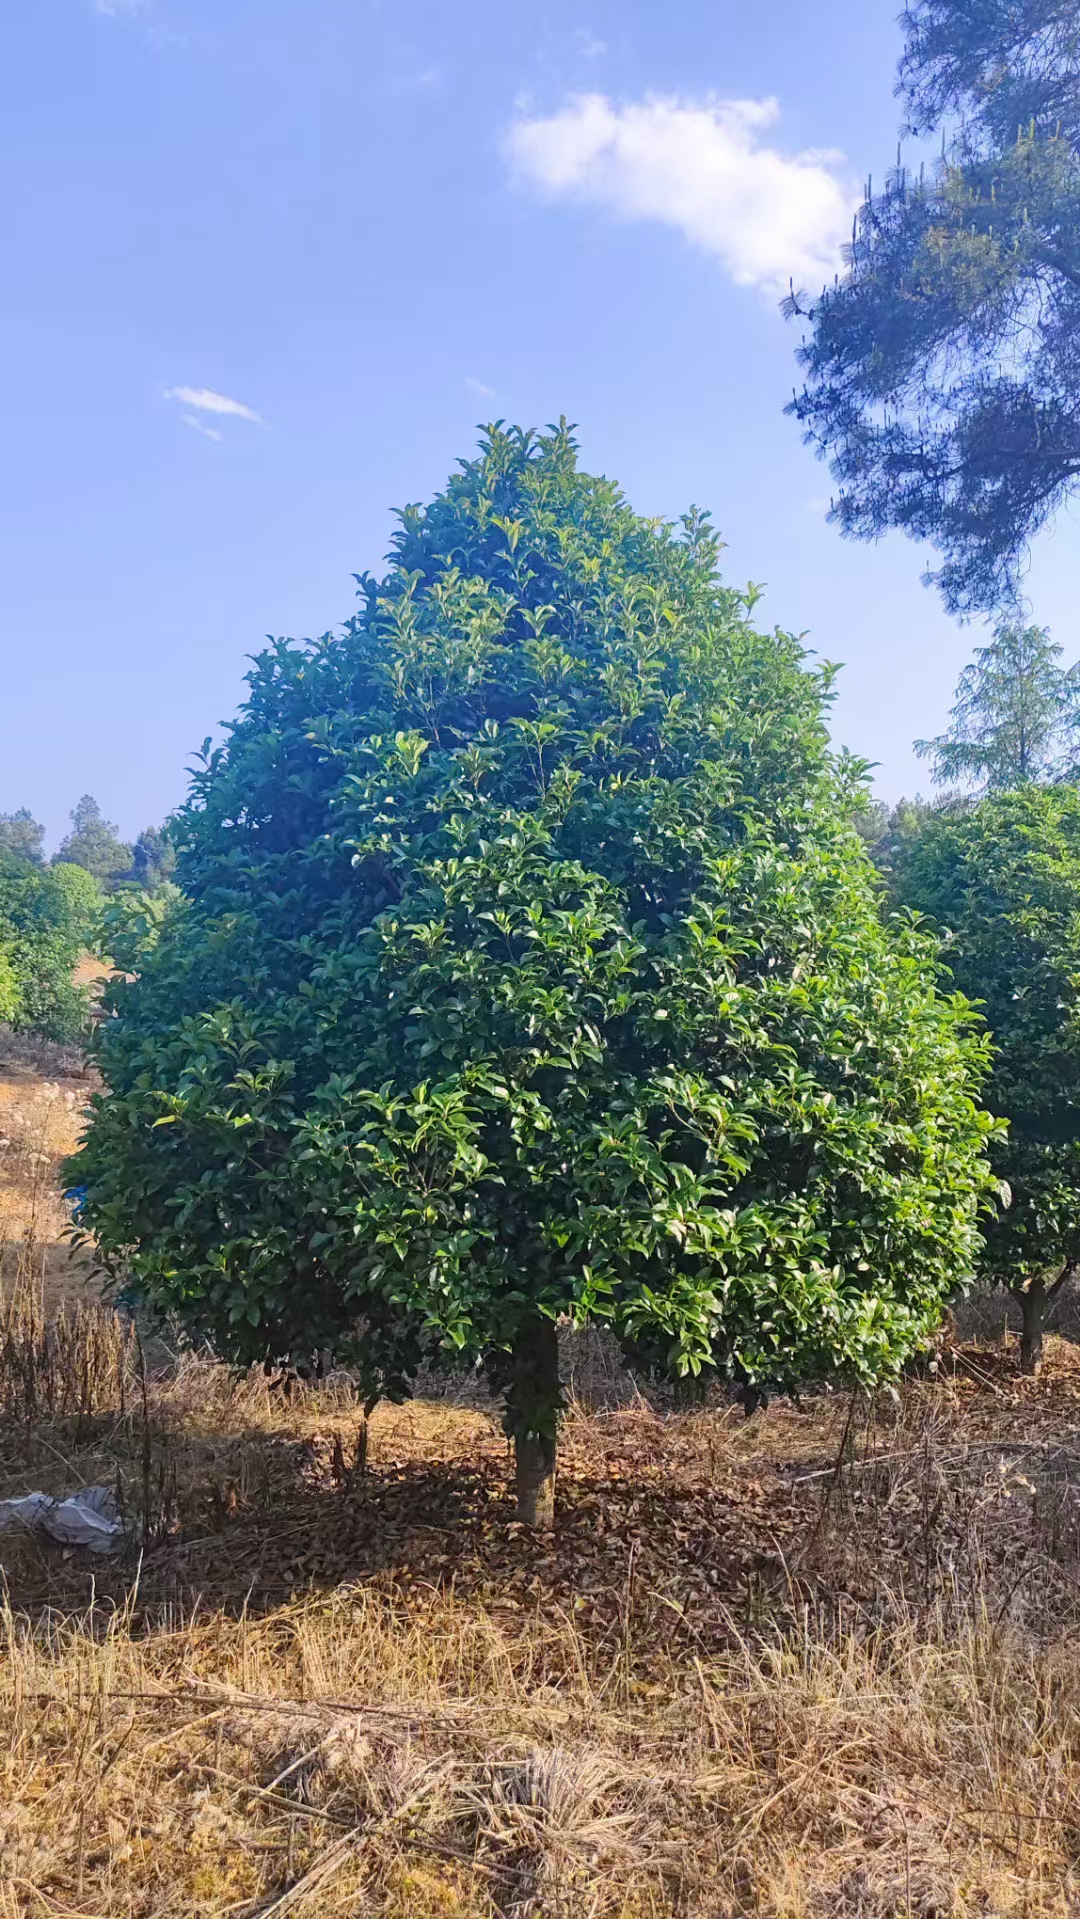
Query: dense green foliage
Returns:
{"type": "Point", "coordinates": [9, 985]}
{"type": "Point", "coordinates": [529, 964]}
{"type": "Point", "coordinates": [1003, 878]}
{"type": "Point", "coordinates": [23, 835]}
{"type": "Point", "coordinates": [48, 914]}
{"type": "Point", "coordinates": [92, 843]}
{"type": "Point", "coordinates": [942, 369]}
{"type": "Point", "coordinates": [1016, 716]}
{"type": "Point", "coordinates": [885, 830]}
{"type": "Point", "coordinates": [153, 860]}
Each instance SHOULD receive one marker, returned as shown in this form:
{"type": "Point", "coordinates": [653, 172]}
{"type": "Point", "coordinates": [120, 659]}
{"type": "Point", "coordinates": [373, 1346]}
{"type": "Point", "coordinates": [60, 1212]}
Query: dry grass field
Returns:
{"type": "Point", "coordinates": [819, 1664]}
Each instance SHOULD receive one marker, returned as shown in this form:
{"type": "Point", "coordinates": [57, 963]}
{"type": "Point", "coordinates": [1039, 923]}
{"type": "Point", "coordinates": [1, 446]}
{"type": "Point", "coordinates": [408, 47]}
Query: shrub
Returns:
{"type": "Point", "coordinates": [1002, 881]}
{"type": "Point", "coordinates": [47, 917]}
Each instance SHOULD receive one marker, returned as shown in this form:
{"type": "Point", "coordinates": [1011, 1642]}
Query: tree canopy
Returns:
{"type": "Point", "coordinates": [1002, 879]}
{"type": "Point", "coordinates": [93, 844]}
{"type": "Point", "coordinates": [942, 368]}
{"type": "Point", "coordinates": [23, 835]}
{"type": "Point", "coordinates": [529, 964]}
{"type": "Point", "coordinates": [1016, 716]}
{"type": "Point", "coordinates": [1007, 64]}
{"type": "Point", "coordinates": [153, 859]}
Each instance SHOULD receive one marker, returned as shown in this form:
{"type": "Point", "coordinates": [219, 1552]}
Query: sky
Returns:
{"type": "Point", "coordinates": [266, 266]}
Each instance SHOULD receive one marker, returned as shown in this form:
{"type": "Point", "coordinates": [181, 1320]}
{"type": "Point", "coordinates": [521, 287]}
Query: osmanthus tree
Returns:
{"type": "Point", "coordinates": [1002, 880]}
{"type": "Point", "coordinates": [529, 968]}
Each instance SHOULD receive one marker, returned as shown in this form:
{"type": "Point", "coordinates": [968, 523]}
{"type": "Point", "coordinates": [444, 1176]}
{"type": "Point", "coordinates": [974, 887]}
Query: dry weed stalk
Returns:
{"type": "Point", "coordinates": [39, 1124]}
{"type": "Point", "coordinates": [76, 1363]}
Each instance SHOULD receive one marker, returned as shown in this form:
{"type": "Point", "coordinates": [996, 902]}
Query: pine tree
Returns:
{"type": "Point", "coordinates": [1016, 717]}
{"type": "Point", "coordinates": [93, 844]}
{"type": "Point", "coordinates": [153, 859]}
{"type": "Point", "coordinates": [943, 369]}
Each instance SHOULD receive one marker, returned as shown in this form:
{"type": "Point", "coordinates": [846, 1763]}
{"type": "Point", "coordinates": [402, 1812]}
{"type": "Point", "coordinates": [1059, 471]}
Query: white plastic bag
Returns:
{"type": "Point", "coordinates": [90, 1518]}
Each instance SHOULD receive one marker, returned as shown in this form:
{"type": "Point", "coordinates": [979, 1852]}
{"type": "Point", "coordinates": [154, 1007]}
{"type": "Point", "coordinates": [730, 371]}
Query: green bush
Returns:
{"type": "Point", "coordinates": [9, 987]}
{"type": "Point", "coordinates": [47, 917]}
{"type": "Point", "coordinates": [1002, 881]}
{"type": "Point", "coordinates": [531, 965]}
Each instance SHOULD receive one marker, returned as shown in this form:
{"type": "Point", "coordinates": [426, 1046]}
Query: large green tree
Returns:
{"type": "Point", "coordinates": [1016, 717]}
{"type": "Point", "coordinates": [1002, 881]}
{"type": "Point", "coordinates": [528, 965]}
{"type": "Point", "coordinates": [943, 368]}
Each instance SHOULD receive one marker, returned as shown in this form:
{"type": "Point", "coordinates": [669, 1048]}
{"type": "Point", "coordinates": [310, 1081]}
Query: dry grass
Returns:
{"type": "Point", "coordinates": [40, 1121]}
{"type": "Point", "coordinates": [355, 1754]}
{"type": "Point", "coordinates": [822, 1664]}
{"type": "Point", "coordinates": [32, 1056]}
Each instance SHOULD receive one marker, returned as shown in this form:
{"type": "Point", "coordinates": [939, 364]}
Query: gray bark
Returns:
{"type": "Point", "coordinates": [1033, 1324]}
{"type": "Point", "coordinates": [533, 1404]}
{"type": "Point", "coordinates": [534, 1459]}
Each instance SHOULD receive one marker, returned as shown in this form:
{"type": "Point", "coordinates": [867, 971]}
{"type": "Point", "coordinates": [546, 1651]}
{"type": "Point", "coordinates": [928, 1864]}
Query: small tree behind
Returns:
{"type": "Point", "coordinates": [23, 835]}
{"type": "Point", "coordinates": [885, 829]}
{"type": "Point", "coordinates": [1016, 716]}
{"type": "Point", "coordinates": [529, 967]}
{"type": "Point", "coordinates": [48, 916]}
{"type": "Point", "coordinates": [1002, 879]}
{"type": "Point", "coordinates": [153, 859]}
{"type": "Point", "coordinates": [93, 844]}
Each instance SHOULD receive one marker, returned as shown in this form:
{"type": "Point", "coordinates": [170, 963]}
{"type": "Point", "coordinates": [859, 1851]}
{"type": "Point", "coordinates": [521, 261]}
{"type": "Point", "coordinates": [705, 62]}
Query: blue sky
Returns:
{"type": "Point", "coordinates": [266, 263]}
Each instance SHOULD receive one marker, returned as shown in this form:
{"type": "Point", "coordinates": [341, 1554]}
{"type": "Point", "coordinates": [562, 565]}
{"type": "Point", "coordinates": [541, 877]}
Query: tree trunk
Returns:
{"type": "Point", "coordinates": [532, 1411]}
{"type": "Point", "coordinates": [534, 1480]}
{"type": "Point", "coordinates": [1033, 1319]}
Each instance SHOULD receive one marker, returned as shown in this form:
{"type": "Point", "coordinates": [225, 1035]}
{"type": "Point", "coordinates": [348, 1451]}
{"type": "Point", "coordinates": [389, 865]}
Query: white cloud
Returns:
{"type": "Point", "coordinates": [200, 426]}
{"type": "Point", "coordinates": [481, 391]}
{"type": "Point", "coordinates": [202, 400]}
{"type": "Point", "coordinates": [703, 168]}
{"type": "Point", "coordinates": [589, 47]}
{"type": "Point", "coordinates": [121, 9]}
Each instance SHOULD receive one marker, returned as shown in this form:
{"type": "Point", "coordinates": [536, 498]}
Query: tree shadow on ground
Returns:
{"type": "Point", "coordinates": [693, 1526]}
{"type": "Point", "coordinates": [289, 1517]}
